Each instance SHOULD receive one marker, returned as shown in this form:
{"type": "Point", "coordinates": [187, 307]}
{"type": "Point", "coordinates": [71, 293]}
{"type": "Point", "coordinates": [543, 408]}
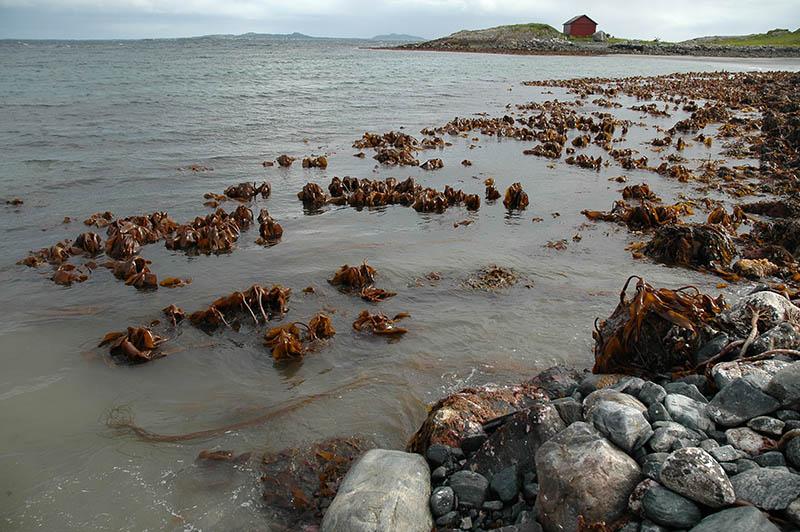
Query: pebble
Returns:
{"type": "Point", "coordinates": [767, 425]}
{"type": "Point", "coordinates": [787, 415]}
{"type": "Point", "coordinates": [438, 454]}
{"type": "Point", "coordinates": [739, 401]}
{"type": "Point", "coordinates": [442, 501]}
{"type": "Point", "coordinates": [651, 466]}
{"type": "Point", "coordinates": [693, 473]}
{"type": "Point", "coordinates": [770, 459]}
{"type": "Point", "coordinates": [448, 519]}
{"type": "Point", "coordinates": [652, 393]}
{"type": "Point", "coordinates": [657, 412]}
{"type": "Point", "coordinates": [492, 506]}
{"type": "Point", "coordinates": [505, 483]}
{"type": "Point", "coordinates": [709, 444]}
{"type": "Point", "coordinates": [439, 474]}
{"type": "Point", "coordinates": [726, 453]}
{"type": "Point", "coordinates": [569, 409]}
{"type": "Point", "coordinates": [792, 451]}
{"type": "Point", "coordinates": [469, 487]}
{"type": "Point", "coordinates": [745, 464]}
{"type": "Point", "coordinates": [749, 441]}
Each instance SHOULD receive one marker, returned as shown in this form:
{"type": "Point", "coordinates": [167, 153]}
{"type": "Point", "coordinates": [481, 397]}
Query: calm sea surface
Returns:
{"type": "Point", "coordinates": [94, 126]}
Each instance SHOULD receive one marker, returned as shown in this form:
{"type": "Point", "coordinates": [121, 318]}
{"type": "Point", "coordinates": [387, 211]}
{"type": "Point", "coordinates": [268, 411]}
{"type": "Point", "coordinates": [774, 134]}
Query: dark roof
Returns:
{"type": "Point", "coordinates": [573, 19]}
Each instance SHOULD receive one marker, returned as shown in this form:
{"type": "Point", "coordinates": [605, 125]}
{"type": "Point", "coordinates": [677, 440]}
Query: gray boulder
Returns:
{"type": "Point", "coordinates": [785, 385]}
{"type": "Point", "coordinates": [727, 453]}
{"type": "Point", "coordinates": [741, 519]}
{"type": "Point", "coordinates": [652, 463]}
{"type": "Point", "coordinates": [773, 309]}
{"type": "Point", "coordinates": [624, 425]}
{"type": "Point", "coordinates": [726, 372]}
{"type": "Point", "coordinates": [739, 402]}
{"type": "Point", "coordinates": [688, 412]}
{"type": "Point", "coordinates": [668, 433]}
{"type": "Point", "coordinates": [693, 473]}
{"type": "Point", "coordinates": [384, 490]}
{"type": "Point", "coordinates": [582, 474]}
{"type": "Point", "coordinates": [666, 508]}
{"type": "Point", "coordinates": [767, 488]}
{"type": "Point", "coordinates": [792, 451]}
{"type": "Point", "coordinates": [614, 396]}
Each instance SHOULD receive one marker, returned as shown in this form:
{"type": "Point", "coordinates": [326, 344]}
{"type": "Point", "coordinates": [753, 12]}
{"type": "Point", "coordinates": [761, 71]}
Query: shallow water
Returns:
{"type": "Point", "coordinates": [98, 126]}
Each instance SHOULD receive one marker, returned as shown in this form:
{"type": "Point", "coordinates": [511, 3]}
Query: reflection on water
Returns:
{"type": "Point", "coordinates": [112, 135]}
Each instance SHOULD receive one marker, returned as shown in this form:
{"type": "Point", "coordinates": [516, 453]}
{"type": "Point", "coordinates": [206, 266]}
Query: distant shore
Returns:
{"type": "Point", "coordinates": [561, 47]}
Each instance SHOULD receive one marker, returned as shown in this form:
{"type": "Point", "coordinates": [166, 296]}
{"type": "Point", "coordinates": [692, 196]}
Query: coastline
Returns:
{"type": "Point", "coordinates": [590, 49]}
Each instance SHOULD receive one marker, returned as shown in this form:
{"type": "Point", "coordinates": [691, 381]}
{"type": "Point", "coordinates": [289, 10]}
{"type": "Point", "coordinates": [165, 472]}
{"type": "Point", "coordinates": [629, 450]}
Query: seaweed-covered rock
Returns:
{"type": "Point", "coordinates": [464, 413]}
{"type": "Point", "coordinates": [582, 474]}
{"type": "Point", "coordinates": [691, 245]}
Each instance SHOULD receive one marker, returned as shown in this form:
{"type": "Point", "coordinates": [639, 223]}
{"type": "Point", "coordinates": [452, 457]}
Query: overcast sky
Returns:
{"type": "Point", "coordinates": [668, 20]}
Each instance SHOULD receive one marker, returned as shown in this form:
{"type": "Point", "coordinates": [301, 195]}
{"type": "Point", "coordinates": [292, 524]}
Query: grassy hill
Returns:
{"type": "Point", "coordinates": [777, 37]}
{"type": "Point", "coordinates": [512, 31]}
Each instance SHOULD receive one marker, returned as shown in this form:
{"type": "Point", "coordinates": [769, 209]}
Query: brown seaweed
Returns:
{"type": "Point", "coordinates": [136, 345]}
{"type": "Point", "coordinates": [380, 324]}
{"type": "Point", "coordinates": [515, 198]}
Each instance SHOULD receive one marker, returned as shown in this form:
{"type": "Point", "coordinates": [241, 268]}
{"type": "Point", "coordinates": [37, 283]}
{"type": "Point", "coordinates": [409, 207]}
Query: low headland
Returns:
{"type": "Point", "coordinates": [543, 39]}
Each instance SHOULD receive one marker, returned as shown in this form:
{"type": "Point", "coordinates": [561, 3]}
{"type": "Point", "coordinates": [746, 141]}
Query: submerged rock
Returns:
{"type": "Point", "coordinates": [384, 490]}
{"type": "Point", "coordinates": [582, 474]}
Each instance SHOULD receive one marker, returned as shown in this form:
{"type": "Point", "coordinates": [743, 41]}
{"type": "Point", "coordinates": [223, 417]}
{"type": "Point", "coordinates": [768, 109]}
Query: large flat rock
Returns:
{"type": "Point", "coordinates": [384, 490]}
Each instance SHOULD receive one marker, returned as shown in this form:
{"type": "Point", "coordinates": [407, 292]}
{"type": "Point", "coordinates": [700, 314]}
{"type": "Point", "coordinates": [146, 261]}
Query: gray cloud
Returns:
{"type": "Point", "coordinates": [675, 20]}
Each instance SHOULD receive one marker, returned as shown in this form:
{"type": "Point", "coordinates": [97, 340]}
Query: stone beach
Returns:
{"type": "Point", "coordinates": [580, 451]}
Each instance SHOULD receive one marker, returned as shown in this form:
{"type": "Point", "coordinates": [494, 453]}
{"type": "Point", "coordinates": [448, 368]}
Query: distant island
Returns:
{"type": "Point", "coordinates": [397, 37]}
{"type": "Point", "coordinates": [538, 39]}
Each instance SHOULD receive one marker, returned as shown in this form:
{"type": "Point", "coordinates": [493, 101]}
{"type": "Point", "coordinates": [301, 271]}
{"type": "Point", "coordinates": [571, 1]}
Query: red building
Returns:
{"type": "Point", "coordinates": [580, 26]}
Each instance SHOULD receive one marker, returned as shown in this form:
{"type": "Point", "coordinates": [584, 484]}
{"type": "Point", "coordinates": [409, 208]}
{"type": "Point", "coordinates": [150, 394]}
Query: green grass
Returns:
{"type": "Point", "coordinates": [771, 38]}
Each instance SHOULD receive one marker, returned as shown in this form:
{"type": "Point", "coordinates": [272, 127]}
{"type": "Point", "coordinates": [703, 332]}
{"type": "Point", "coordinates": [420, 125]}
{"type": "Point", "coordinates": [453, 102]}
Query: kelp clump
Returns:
{"type": "Point", "coordinates": [691, 245]}
{"type": "Point", "coordinates": [380, 324]}
{"type": "Point", "coordinates": [515, 198]}
{"type": "Point", "coordinates": [134, 346]}
{"type": "Point", "coordinates": [654, 332]}
{"type": "Point", "coordinates": [286, 343]}
{"type": "Point", "coordinates": [269, 303]}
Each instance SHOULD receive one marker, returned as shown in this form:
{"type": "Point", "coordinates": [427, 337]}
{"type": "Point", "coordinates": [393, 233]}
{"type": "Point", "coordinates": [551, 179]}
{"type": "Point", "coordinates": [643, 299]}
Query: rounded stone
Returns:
{"type": "Point", "coordinates": [469, 487]}
{"type": "Point", "coordinates": [693, 473]}
{"type": "Point", "coordinates": [443, 500]}
{"type": "Point", "coordinates": [667, 508]}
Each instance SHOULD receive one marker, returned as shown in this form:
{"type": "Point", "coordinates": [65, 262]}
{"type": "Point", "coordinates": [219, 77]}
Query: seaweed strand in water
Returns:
{"type": "Point", "coordinates": [121, 420]}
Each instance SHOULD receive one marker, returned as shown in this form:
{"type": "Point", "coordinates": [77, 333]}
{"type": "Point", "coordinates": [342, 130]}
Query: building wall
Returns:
{"type": "Point", "coordinates": [581, 28]}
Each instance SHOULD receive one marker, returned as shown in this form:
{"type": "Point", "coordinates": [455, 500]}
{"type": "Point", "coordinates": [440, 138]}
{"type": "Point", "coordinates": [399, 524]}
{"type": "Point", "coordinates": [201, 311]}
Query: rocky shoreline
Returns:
{"type": "Point", "coordinates": [569, 450]}
{"type": "Point", "coordinates": [563, 47]}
